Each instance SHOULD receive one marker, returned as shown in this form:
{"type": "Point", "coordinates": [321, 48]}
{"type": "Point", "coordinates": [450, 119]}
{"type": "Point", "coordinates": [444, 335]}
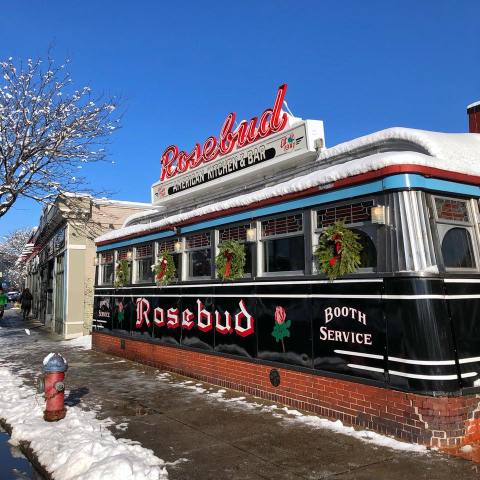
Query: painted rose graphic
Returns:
{"type": "Point", "coordinates": [282, 325]}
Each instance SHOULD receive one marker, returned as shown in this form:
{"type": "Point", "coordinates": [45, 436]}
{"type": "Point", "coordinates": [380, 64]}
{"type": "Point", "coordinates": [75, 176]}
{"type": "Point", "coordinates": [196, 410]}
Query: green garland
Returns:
{"type": "Point", "coordinates": [338, 252]}
{"type": "Point", "coordinates": [230, 261]}
{"type": "Point", "coordinates": [122, 273]}
{"type": "Point", "coordinates": [164, 269]}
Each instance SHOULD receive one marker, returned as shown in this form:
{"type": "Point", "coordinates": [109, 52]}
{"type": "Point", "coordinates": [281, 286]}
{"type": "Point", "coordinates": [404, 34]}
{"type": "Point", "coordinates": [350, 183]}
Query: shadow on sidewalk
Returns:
{"type": "Point", "coordinates": [74, 396]}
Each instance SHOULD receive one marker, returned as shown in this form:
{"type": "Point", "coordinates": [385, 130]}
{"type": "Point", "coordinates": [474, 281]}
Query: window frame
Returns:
{"type": "Point", "coordinates": [443, 226]}
{"type": "Point", "coordinates": [101, 281]}
{"type": "Point", "coordinates": [179, 255]}
{"type": "Point", "coordinates": [187, 259]}
{"type": "Point", "coordinates": [261, 241]}
{"type": "Point", "coordinates": [135, 260]}
{"type": "Point", "coordinates": [248, 246]}
{"type": "Point", "coordinates": [117, 259]}
{"type": "Point", "coordinates": [367, 227]}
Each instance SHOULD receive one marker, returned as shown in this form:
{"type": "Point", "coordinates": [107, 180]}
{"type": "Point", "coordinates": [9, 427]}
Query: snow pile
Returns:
{"type": "Point", "coordinates": [78, 447]}
{"type": "Point", "coordinates": [81, 342]}
{"type": "Point", "coordinates": [456, 152]}
{"type": "Point", "coordinates": [290, 415]}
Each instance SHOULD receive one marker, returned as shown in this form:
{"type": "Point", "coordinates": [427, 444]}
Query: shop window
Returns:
{"type": "Point", "coordinates": [456, 232]}
{"type": "Point", "coordinates": [283, 244]}
{"type": "Point", "coordinates": [198, 249]}
{"type": "Point", "coordinates": [368, 255]}
{"type": "Point", "coordinates": [126, 254]}
{"type": "Point", "coordinates": [106, 268]}
{"type": "Point", "coordinates": [358, 215]}
{"type": "Point", "coordinates": [169, 246]}
{"type": "Point", "coordinates": [457, 249]}
{"type": "Point", "coordinates": [143, 263]}
{"type": "Point", "coordinates": [239, 233]}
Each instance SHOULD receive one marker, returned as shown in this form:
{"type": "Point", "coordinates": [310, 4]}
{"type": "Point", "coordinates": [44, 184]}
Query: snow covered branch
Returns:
{"type": "Point", "coordinates": [11, 247]}
{"type": "Point", "coordinates": [48, 131]}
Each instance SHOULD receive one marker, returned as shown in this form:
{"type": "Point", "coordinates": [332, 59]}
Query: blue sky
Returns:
{"type": "Point", "coordinates": [180, 67]}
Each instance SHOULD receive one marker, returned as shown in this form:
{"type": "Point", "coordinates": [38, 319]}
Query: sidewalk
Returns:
{"type": "Point", "coordinates": [203, 432]}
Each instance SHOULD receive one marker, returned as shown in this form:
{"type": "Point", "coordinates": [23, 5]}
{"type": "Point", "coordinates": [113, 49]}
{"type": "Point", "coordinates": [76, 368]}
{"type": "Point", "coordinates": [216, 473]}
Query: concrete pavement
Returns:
{"type": "Point", "coordinates": [206, 433]}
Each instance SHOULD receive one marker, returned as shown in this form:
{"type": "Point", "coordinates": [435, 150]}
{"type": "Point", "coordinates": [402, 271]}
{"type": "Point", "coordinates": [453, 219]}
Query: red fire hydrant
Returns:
{"type": "Point", "coordinates": [53, 386]}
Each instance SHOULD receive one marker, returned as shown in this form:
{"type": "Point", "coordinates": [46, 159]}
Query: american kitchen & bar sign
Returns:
{"type": "Point", "coordinates": [251, 144]}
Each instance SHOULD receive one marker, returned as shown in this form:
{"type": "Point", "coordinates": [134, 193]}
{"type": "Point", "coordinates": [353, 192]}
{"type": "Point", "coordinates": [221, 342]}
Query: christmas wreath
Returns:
{"type": "Point", "coordinates": [122, 273]}
{"type": "Point", "coordinates": [338, 252]}
{"type": "Point", "coordinates": [230, 260]}
{"type": "Point", "coordinates": [164, 269]}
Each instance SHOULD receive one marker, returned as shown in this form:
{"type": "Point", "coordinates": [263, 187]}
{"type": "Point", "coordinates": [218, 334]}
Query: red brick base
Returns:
{"type": "Point", "coordinates": [443, 422]}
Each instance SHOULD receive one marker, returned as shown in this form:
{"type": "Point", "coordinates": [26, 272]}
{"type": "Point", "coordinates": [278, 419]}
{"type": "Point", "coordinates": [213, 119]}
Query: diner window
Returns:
{"type": "Point", "coordinates": [283, 244]}
{"type": "Point", "coordinates": [368, 255]}
{"type": "Point", "coordinates": [457, 249]}
{"type": "Point", "coordinates": [358, 217]}
{"type": "Point", "coordinates": [198, 249]}
{"type": "Point", "coordinates": [455, 230]}
{"type": "Point", "coordinates": [143, 264]}
{"type": "Point", "coordinates": [106, 268]}
{"type": "Point", "coordinates": [126, 254]}
{"type": "Point", "coordinates": [239, 233]}
{"type": "Point", "coordinates": [169, 246]}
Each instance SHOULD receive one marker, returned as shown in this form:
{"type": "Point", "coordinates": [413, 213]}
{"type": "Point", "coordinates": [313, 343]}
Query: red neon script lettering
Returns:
{"type": "Point", "coordinates": [271, 121]}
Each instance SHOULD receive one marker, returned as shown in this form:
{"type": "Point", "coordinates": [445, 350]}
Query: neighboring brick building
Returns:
{"type": "Point", "coordinates": [60, 259]}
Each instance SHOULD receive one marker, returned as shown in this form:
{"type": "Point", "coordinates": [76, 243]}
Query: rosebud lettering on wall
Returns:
{"type": "Point", "coordinates": [242, 323]}
{"type": "Point", "coordinates": [331, 335]}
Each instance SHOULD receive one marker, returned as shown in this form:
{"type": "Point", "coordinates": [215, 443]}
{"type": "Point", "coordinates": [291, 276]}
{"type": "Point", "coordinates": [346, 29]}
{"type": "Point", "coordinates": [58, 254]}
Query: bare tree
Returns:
{"type": "Point", "coordinates": [48, 131]}
{"type": "Point", "coordinates": [11, 247]}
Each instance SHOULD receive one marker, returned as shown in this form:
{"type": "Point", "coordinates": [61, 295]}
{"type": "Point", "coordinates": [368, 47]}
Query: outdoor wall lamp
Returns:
{"type": "Point", "coordinates": [379, 214]}
{"type": "Point", "coordinates": [129, 255]}
{"type": "Point", "coordinates": [177, 246]}
{"type": "Point", "coordinates": [251, 234]}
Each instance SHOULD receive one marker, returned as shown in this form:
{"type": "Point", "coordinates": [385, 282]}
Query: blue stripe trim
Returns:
{"type": "Point", "coordinates": [326, 197]}
{"type": "Point", "coordinates": [394, 182]}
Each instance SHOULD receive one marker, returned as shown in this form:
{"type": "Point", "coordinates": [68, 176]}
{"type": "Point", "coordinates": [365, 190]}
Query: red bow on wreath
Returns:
{"type": "Point", "coordinates": [162, 271]}
{"type": "Point", "coordinates": [229, 256]}
{"type": "Point", "coordinates": [337, 249]}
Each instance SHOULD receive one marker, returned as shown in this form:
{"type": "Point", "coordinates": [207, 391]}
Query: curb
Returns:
{"type": "Point", "coordinates": [27, 450]}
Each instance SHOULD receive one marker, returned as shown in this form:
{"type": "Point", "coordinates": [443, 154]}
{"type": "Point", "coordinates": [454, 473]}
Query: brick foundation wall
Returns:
{"type": "Point", "coordinates": [443, 422]}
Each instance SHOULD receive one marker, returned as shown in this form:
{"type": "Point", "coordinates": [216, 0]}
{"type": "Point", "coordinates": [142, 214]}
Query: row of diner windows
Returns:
{"type": "Point", "coordinates": [284, 244]}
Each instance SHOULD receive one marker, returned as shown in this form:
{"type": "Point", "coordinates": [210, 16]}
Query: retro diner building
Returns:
{"type": "Point", "coordinates": [394, 346]}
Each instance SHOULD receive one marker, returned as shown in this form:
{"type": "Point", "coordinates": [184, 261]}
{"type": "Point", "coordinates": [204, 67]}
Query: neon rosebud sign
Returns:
{"type": "Point", "coordinates": [272, 120]}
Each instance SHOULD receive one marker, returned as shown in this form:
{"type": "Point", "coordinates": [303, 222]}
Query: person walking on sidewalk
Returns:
{"type": "Point", "coordinates": [26, 302]}
{"type": "Point", "coordinates": [3, 302]}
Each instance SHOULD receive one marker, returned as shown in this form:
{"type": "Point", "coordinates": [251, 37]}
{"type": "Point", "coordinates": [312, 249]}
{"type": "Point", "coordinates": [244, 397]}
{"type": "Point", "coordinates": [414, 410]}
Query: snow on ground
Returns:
{"type": "Point", "coordinates": [82, 342]}
{"type": "Point", "coordinates": [79, 447]}
{"type": "Point", "coordinates": [294, 416]}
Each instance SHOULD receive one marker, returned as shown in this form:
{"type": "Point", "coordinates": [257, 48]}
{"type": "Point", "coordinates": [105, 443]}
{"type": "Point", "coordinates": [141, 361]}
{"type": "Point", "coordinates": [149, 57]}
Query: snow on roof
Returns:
{"type": "Point", "coordinates": [445, 151]}
{"type": "Point", "coordinates": [452, 147]}
{"type": "Point", "coordinates": [123, 203]}
{"type": "Point", "coordinates": [145, 215]}
{"type": "Point", "coordinates": [474, 104]}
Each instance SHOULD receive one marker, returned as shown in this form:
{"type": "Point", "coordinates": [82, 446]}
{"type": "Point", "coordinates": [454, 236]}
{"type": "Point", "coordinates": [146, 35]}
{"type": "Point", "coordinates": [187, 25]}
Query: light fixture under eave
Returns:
{"type": "Point", "coordinates": [129, 255]}
{"type": "Point", "coordinates": [379, 214]}
{"type": "Point", "coordinates": [251, 234]}
{"type": "Point", "coordinates": [177, 246]}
